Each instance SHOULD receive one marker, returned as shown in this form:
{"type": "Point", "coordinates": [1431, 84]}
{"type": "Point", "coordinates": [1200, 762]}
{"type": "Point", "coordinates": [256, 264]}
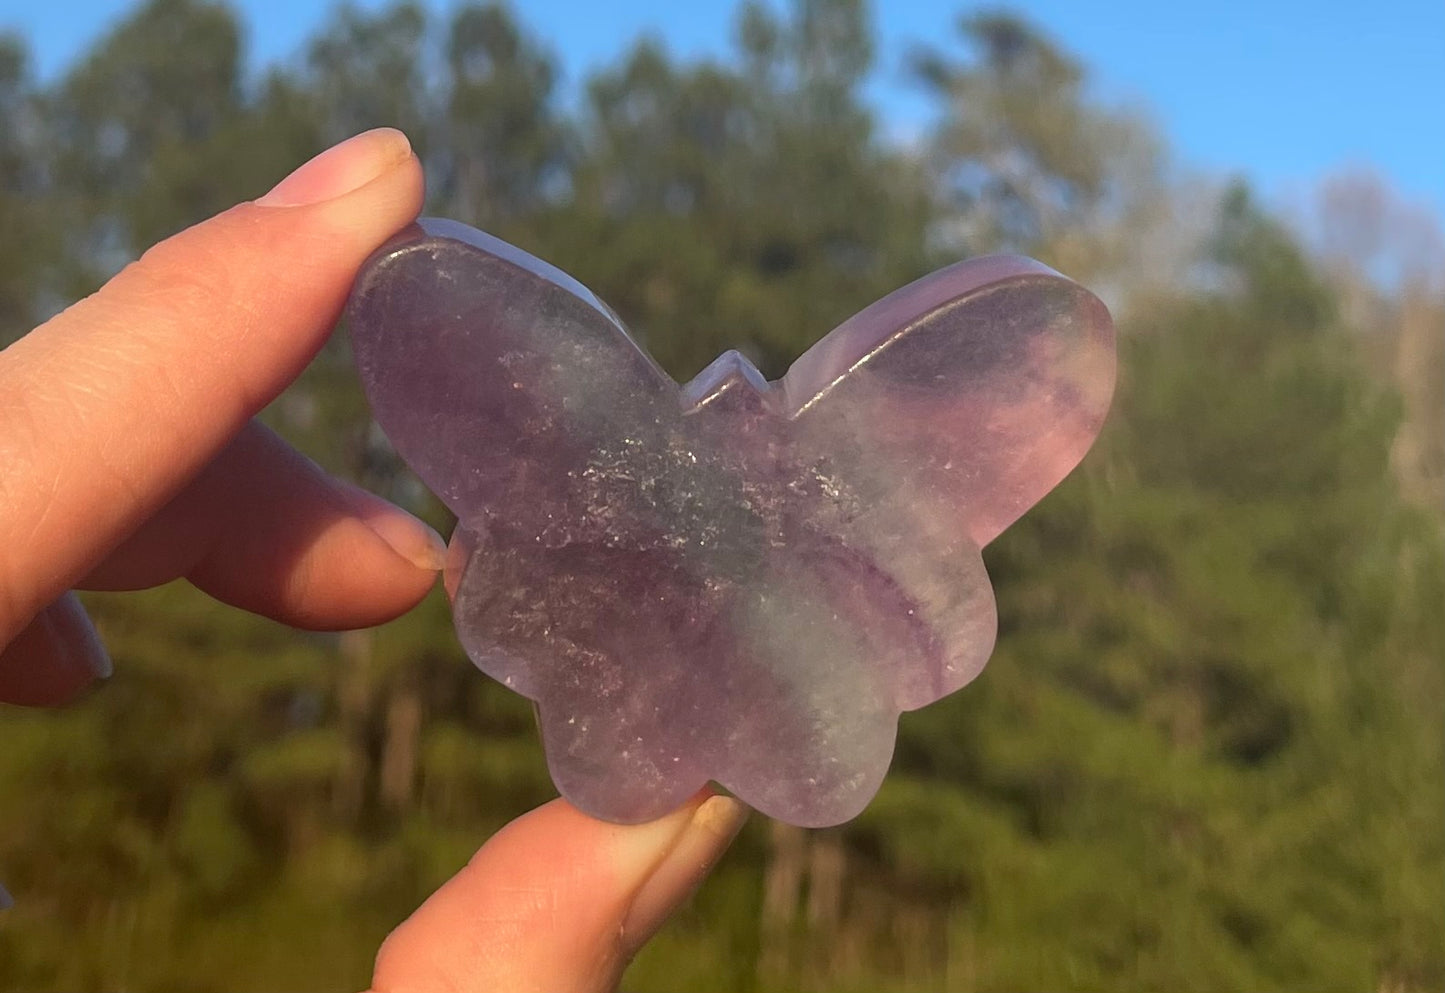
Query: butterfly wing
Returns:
{"type": "Point", "coordinates": [952, 406]}
{"type": "Point", "coordinates": [487, 368]}
{"type": "Point", "coordinates": [986, 382]}
{"type": "Point", "coordinates": [497, 377]}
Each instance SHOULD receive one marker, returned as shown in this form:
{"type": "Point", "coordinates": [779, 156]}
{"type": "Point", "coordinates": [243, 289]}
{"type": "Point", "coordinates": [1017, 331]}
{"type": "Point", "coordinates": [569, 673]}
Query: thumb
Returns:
{"type": "Point", "coordinates": [557, 902]}
{"type": "Point", "coordinates": [111, 407]}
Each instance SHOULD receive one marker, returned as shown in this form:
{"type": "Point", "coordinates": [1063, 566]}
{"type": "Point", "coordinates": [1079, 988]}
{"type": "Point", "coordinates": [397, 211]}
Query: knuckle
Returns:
{"type": "Point", "coordinates": [184, 276]}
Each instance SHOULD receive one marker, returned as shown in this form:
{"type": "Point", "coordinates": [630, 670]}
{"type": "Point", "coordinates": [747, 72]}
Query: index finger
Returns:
{"type": "Point", "coordinates": [107, 410]}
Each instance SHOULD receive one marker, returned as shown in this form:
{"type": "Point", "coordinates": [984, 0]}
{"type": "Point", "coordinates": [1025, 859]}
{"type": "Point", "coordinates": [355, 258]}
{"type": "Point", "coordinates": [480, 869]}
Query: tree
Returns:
{"type": "Point", "coordinates": [1387, 256]}
{"type": "Point", "coordinates": [1025, 161]}
{"type": "Point", "coordinates": [508, 155]}
{"type": "Point", "coordinates": [745, 206]}
{"type": "Point", "coordinates": [29, 253]}
{"type": "Point", "coordinates": [127, 122]}
{"type": "Point", "coordinates": [365, 71]}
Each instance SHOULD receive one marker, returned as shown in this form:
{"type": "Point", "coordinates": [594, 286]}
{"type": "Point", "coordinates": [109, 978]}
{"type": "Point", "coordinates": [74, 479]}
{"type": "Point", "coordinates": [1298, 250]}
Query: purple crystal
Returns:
{"type": "Point", "coordinates": [732, 580]}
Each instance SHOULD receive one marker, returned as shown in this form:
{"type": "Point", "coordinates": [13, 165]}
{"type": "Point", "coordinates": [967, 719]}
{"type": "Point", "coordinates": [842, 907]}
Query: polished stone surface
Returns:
{"type": "Point", "coordinates": [731, 580]}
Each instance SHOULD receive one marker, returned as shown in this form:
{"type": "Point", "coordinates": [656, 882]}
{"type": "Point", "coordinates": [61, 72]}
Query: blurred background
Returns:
{"type": "Point", "coordinates": [1209, 751]}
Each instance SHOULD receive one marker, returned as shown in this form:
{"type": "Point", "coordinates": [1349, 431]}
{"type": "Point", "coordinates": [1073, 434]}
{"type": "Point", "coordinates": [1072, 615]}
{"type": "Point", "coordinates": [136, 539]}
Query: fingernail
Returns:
{"type": "Point", "coordinates": [6, 902]}
{"type": "Point", "coordinates": [459, 553]}
{"type": "Point", "coordinates": [340, 169]}
{"type": "Point", "coordinates": [95, 654]}
{"type": "Point", "coordinates": [74, 642]}
{"type": "Point", "coordinates": [409, 537]}
{"type": "Point", "coordinates": [700, 844]}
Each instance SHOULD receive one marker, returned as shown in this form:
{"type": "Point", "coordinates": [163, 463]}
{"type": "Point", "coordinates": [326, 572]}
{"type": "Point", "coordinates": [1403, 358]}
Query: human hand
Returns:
{"type": "Point", "coordinates": [130, 458]}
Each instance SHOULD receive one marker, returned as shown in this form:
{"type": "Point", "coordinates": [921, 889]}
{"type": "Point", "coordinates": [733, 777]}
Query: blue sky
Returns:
{"type": "Point", "coordinates": [1281, 91]}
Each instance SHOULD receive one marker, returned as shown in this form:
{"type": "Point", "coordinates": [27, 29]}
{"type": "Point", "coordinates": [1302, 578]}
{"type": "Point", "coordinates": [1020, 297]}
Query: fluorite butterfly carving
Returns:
{"type": "Point", "coordinates": [730, 580]}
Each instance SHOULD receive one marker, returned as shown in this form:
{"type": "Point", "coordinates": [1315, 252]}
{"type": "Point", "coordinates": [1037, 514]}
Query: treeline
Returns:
{"type": "Point", "coordinates": [1208, 753]}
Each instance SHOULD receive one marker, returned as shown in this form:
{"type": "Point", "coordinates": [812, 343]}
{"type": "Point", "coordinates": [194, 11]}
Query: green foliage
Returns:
{"type": "Point", "coordinates": [746, 205]}
{"type": "Point", "coordinates": [29, 247]}
{"type": "Point", "coordinates": [1023, 161]}
{"type": "Point", "coordinates": [1207, 754]}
